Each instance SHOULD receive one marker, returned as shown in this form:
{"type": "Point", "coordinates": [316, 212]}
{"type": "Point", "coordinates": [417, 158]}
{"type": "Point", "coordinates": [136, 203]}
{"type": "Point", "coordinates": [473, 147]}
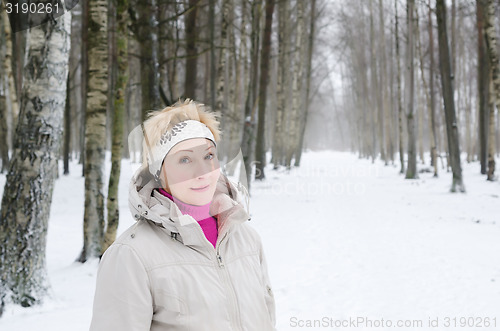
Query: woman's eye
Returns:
{"type": "Point", "coordinates": [209, 156]}
{"type": "Point", "coordinates": [184, 160]}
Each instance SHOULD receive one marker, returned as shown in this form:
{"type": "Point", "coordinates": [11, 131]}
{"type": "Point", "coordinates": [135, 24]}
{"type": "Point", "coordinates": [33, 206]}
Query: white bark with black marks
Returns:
{"type": "Point", "coordinates": [28, 190]}
{"type": "Point", "coordinates": [95, 130]}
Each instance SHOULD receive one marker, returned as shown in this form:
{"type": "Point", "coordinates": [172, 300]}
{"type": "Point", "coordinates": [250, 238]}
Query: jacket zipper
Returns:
{"type": "Point", "coordinates": [226, 279]}
{"type": "Point", "coordinates": [218, 256]}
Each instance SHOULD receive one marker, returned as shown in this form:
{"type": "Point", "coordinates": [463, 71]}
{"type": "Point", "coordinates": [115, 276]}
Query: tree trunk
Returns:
{"type": "Point", "coordinates": [191, 51]}
{"type": "Point", "coordinates": [420, 126]}
{"type": "Point", "coordinates": [117, 137]}
{"type": "Point", "coordinates": [391, 125]}
{"type": "Point", "coordinates": [384, 111]}
{"type": "Point", "coordinates": [400, 106]}
{"type": "Point", "coordinates": [12, 95]}
{"type": "Point", "coordinates": [211, 23]}
{"type": "Point", "coordinates": [432, 101]}
{"type": "Point", "coordinates": [231, 143]}
{"type": "Point", "coordinates": [453, 36]}
{"type": "Point", "coordinates": [18, 62]}
{"type": "Point", "coordinates": [411, 171]}
{"type": "Point", "coordinates": [75, 81]}
{"type": "Point", "coordinates": [4, 123]}
{"type": "Point", "coordinates": [4, 147]}
{"type": "Point", "coordinates": [174, 76]}
{"type": "Point", "coordinates": [145, 27]}
{"type": "Point", "coordinates": [483, 85]}
{"type": "Point", "coordinates": [248, 140]}
{"type": "Point", "coordinates": [67, 128]}
{"type": "Point", "coordinates": [491, 135]}
{"type": "Point", "coordinates": [294, 117]}
{"type": "Point", "coordinates": [278, 151]}
{"type": "Point", "coordinates": [468, 125]}
{"type": "Point", "coordinates": [310, 46]}
{"type": "Point", "coordinates": [84, 79]}
{"type": "Point", "coordinates": [220, 104]}
{"type": "Point", "coordinates": [27, 195]}
{"type": "Point", "coordinates": [424, 88]}
{"type": "Point", "coordinates": [260, 147]}
{"type": "Point", "coordinates": [243, 59]}
{"type": "Point", "coordinates": [491, 46]}
{"type": "Point", "coordinates": [449, 104]}
{"type": "Point", "coordinates": [112, 71]}
{"type": "Point", "coordinates": [374, 88]}
{"type": "Point", "coordinates": [165, 35]}
{"type": "Point", "coordinates": [95, 130]}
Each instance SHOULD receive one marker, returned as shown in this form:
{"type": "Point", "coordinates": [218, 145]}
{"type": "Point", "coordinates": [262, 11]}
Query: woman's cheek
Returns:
{"type": "Point", "coordinates": [179, 177]}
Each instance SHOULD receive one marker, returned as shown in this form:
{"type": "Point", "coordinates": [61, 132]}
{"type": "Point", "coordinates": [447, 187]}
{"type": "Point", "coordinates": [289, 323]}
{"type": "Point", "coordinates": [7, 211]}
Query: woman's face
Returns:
{"type": "Point", "coordinates": [191, 169]}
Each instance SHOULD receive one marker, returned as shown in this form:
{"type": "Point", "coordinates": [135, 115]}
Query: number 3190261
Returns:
{"type": "Point", "coordinates": [32, 8]}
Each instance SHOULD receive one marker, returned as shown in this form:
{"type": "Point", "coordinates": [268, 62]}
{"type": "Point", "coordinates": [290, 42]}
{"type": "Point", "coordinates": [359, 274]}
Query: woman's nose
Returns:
{"type": "Point", "coordinates": [204, 169]}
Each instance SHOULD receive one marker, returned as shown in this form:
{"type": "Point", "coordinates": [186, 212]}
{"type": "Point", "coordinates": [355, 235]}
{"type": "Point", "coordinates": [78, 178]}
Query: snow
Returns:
{"type": "Point", "coordinates": [345, 240]}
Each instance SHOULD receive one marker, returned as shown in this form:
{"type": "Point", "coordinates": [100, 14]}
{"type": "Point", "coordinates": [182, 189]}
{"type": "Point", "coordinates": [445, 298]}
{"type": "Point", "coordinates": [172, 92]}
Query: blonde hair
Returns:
{"type": "Point", "coordinates": [161, 121]}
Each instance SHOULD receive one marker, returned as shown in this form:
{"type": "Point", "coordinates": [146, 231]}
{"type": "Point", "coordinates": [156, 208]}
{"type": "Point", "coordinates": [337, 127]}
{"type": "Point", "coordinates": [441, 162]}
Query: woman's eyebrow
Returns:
{"type": "Point", "coordinates": [189, 150]}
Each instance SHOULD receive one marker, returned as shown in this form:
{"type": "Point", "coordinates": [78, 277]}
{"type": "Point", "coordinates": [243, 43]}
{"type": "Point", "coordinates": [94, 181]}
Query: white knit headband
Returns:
{"type": "Point", "coordinates": [181, 131]}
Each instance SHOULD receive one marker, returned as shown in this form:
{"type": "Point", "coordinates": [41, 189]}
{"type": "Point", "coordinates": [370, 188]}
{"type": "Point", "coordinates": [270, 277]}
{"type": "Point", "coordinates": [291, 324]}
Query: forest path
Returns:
{"type": "Point", "coordinates": [346, 239]}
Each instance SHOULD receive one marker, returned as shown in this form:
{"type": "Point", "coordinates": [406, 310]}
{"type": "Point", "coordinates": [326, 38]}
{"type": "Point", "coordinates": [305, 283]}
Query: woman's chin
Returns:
{"type": "Point", "coordinates": [199, 200]}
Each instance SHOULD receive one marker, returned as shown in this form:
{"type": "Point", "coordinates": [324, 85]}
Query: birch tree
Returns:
{"type": "Point", "coordinates": [234, 112]}
{"type": "Point", "coordinates": [27, 195]}
{"type": "Point", "coordinates": [4, 145]}
{"type": "Point", "coordinates": [10, 105]}
{"type": "Point", "coordinates": [95, 130]}
{"type": "Point", "coordinates": [84, 79]}
{"type": "Point", "coordinates": [491, 46]}
{"type": "Point", "coordinates": [11, 96]}
{"type": "Point", "coordinates": [220, 104]}
{"type": "Point", "coordinates": [297, 72]}
{"type": "Point", "coordinates": [117, 136]}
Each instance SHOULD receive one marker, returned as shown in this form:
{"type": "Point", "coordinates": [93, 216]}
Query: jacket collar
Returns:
{"type": "Point", "coordinates": [147, 203]}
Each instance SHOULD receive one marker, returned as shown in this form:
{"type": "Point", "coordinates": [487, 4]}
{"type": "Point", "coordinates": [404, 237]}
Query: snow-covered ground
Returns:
{"type": "Point", "coordinates": [347, 242]}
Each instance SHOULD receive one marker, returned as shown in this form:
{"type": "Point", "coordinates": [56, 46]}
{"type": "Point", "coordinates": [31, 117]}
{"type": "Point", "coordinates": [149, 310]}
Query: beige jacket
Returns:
{"type": "Point", "coordinates": [163, 274]}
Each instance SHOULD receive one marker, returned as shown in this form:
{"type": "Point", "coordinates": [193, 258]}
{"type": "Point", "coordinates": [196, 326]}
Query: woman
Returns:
{"type": "Point", "coordinates": [191, 261]}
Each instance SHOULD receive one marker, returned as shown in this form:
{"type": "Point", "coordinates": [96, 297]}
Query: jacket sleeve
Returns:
{"type": "Point", "coordinates": [123, 299]}
{"type": "Point", "coordinates": [269, 296]}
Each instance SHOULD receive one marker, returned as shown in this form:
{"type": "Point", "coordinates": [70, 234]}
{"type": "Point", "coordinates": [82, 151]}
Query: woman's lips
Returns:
{"type": "Point", "coordinates": [202, 189]}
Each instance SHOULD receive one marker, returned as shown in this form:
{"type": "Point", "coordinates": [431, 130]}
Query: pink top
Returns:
{"type": "Point", "coordinates": [200, 213]}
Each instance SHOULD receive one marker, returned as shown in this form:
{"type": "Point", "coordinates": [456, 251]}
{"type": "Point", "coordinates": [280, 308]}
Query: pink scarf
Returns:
{"type": "Point", "coordinates": [200, 213]}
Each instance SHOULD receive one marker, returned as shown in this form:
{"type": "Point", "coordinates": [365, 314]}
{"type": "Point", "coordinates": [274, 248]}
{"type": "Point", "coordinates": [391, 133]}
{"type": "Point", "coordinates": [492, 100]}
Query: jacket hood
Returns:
{"type": "Point", "coordinates": [145, 202]}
